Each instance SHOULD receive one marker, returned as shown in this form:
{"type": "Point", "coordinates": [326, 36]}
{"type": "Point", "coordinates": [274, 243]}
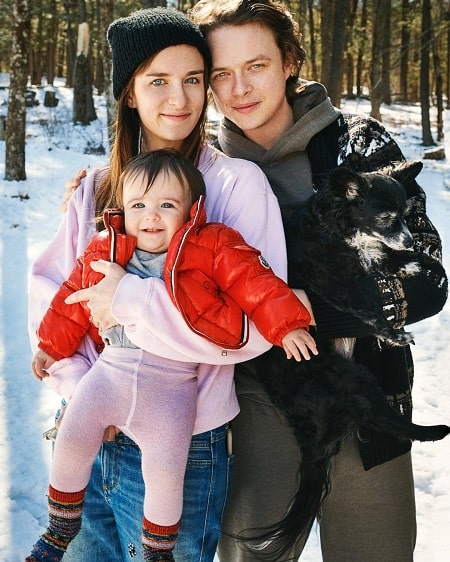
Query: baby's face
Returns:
{"type": "Point", "coordinates": [154, 216]}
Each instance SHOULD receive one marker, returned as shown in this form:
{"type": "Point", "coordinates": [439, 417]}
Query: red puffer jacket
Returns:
{"type": "Point", "coordinates": [217, 281]}
{"type": "Point", "coordinates": [214, 278]}
{"type": "Point", "coordinates": [64, 325]}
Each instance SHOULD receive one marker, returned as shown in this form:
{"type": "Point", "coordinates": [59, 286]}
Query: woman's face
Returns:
{"type": "Point", "coordinates": [169, 95]}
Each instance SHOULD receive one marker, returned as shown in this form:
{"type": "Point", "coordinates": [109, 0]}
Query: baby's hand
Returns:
{"type": "Point", "coordinates": [299, 343]}
{"type": "Point", "coordinates": [40, 363]}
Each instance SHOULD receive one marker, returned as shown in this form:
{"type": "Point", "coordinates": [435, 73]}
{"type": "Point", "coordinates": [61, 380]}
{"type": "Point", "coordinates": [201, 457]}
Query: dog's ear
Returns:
{"type": "Point", "coordinates": [406, 172]}
{"type": "Point", "coordinates": [348, 183]}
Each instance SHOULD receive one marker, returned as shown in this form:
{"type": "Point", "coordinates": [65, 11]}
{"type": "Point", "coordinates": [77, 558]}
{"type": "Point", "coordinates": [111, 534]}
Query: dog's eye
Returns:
{"type": "Point", "coordinates": [386, 218]}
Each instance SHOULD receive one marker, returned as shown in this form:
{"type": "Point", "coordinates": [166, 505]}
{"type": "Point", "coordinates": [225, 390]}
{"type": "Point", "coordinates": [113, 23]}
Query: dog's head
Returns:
{"type": "Point", "coordinates": [370, 206]}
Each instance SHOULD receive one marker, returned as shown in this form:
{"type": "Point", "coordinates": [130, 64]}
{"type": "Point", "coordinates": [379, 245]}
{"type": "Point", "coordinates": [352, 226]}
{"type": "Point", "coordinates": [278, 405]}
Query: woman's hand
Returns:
{"type": "Point", "coordinates": [70, 186]}
{"type": "Point", "coordinates": [101, 295]}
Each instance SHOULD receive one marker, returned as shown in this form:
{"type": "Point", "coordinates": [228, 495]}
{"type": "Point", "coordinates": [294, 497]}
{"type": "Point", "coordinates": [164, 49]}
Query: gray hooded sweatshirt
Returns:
{"type": "Point", "coordinates": [286, 163]}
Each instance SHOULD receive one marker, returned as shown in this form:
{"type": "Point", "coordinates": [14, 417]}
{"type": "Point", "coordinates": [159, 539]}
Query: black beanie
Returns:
{"type": "Point", "coordinates": [144, 33]}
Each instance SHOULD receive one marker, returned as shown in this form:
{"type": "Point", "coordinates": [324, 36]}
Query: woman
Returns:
{"type": "Point", "coordinates": [160, 64]}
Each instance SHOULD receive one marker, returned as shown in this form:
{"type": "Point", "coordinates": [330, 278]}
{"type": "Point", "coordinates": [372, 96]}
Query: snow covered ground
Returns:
{"type": "Point", "coordinates": [29, 215]}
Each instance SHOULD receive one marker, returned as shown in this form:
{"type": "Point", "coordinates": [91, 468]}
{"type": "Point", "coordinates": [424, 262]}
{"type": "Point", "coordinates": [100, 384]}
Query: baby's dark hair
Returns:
{"type": "Point", "coordinates": [165, 160]}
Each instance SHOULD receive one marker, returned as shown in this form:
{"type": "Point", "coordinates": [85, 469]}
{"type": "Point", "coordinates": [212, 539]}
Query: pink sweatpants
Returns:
{"type": "Point", "coordinates": [152, 400]}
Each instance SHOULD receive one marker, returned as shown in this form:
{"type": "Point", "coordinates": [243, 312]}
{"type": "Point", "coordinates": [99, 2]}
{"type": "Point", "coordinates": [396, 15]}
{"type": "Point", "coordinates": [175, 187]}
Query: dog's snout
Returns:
{"type": "Point", "coordinates": [408, 241]}
{"type": "Point", "coordinates": [402, 239]}
{"type": "Point", "coordinates": [407, 238]}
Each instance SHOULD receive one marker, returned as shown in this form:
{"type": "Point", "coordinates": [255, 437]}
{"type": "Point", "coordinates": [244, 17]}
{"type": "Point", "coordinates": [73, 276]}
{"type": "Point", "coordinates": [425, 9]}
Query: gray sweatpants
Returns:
{"type": "Point", "coordinates": [369, 516]}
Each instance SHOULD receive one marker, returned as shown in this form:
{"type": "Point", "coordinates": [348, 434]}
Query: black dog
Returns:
{"type": "Point", "coordinates": [350, 225]}
{"type": "Point", "coordinates": [354, 224]}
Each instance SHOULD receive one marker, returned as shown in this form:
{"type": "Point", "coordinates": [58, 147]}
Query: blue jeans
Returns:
{"type": "Point", "coordinates": [111, 528]}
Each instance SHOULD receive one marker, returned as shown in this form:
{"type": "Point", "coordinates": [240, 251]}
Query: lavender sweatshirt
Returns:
{"type": "Point", "coordinates": [239, 195]}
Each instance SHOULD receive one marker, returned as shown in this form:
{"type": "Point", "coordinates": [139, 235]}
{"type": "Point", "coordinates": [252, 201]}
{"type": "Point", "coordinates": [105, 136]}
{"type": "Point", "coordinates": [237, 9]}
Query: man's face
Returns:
{"type": "Point", "coordinates": [248, 81]}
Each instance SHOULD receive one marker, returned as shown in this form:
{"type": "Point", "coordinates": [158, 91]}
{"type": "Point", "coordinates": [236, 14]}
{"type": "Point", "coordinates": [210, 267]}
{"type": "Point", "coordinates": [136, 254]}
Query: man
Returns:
{"type": "Point", "coordinates": [291, 130]}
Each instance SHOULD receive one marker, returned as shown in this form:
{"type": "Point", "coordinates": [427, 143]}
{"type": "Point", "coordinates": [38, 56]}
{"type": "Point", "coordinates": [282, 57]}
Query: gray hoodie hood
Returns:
{"type": "Point", "coordinates": [286, 163]}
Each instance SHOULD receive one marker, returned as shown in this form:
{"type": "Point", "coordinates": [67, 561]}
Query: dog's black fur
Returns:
{"type": "Point", "coordinates": [353, 223]}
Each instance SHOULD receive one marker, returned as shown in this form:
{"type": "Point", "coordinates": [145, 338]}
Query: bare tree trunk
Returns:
{"type": "Point", "coordinates": [376, 66]}
{"type": "Point", "coordinates": [35, 47]}
{"type": "Point", "coordinates": [447, 17]}
{"type": "Point", "coordinates": [300, 12]}
{"type": "Point", "coordinates": [349, 72]}
{"type": "Point", "coordinates": [70, 47]}
{"type": "Point", "coordinates": [341, 11]}
{"type": "Point", "coordinates": [52, 42]}
{"type": "Point", "coordinates": [106, 17]}
{"type": "Point", "coordinates": [438, 78]}
{"type": "Point", "coordinates": [312, 42]}
{"type": "Point", "coordinates": [427, 138]}
{"type": "Point", "coordinates": [18, 71]}
{"type": "Point", "coordinates": [37, 42]}
{"type": "Point", "coordinates": [326, 35]}
{"type": "Point", "coordinates": [360, 60]}
{"type": "Point", "coordinates": [386, 41]}
{"type": "Point", "coordinates": [405, 35]}
{"type": "Point", "coordinates": [99, 72]}
{"type": "Point", "coordinates": [83, 101]}
{"type": "Point", "coordinates": [349, 47]}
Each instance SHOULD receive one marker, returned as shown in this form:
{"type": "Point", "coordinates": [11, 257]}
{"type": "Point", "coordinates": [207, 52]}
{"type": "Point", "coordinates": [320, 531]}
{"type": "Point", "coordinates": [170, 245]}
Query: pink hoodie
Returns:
{"type": "Point", "coordinates": [239, 195]}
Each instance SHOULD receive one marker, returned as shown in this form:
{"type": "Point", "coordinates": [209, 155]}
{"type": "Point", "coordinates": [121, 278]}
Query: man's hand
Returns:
{"type": "Point", "coordinates": [110, 432]}
{"type": "Point", "coordinates": [70, 186]}
{"type": "Point", "coordinates": [109, 435]}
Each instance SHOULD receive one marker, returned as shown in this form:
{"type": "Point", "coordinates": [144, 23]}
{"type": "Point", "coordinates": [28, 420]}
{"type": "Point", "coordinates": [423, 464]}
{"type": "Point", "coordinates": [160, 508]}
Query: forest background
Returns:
{"type": "Point", "coordinates": [377, 52]}
{"type": "Point", "coordinates": [388, 50]}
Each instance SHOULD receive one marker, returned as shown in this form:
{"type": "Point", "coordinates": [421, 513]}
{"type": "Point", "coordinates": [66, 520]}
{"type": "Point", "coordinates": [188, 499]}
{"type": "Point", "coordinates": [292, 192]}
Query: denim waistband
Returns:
{"type": "Point", "coordinates": [199, 440]}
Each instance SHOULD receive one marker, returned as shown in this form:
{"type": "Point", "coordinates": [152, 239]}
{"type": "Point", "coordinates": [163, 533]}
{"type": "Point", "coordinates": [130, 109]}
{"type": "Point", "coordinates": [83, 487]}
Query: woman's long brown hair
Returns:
{"type": "Point", "coordinates": [126, 134]}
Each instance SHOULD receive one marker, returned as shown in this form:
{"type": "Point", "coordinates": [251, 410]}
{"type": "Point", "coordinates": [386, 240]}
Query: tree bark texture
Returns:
{"type": "Point", "coordinates": [18, 70]}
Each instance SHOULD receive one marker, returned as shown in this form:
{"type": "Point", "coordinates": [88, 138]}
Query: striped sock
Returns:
{"type": "Point", "coordinates": [158, 541]}
{"type": "Point", "coordinates": [64, 522]}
